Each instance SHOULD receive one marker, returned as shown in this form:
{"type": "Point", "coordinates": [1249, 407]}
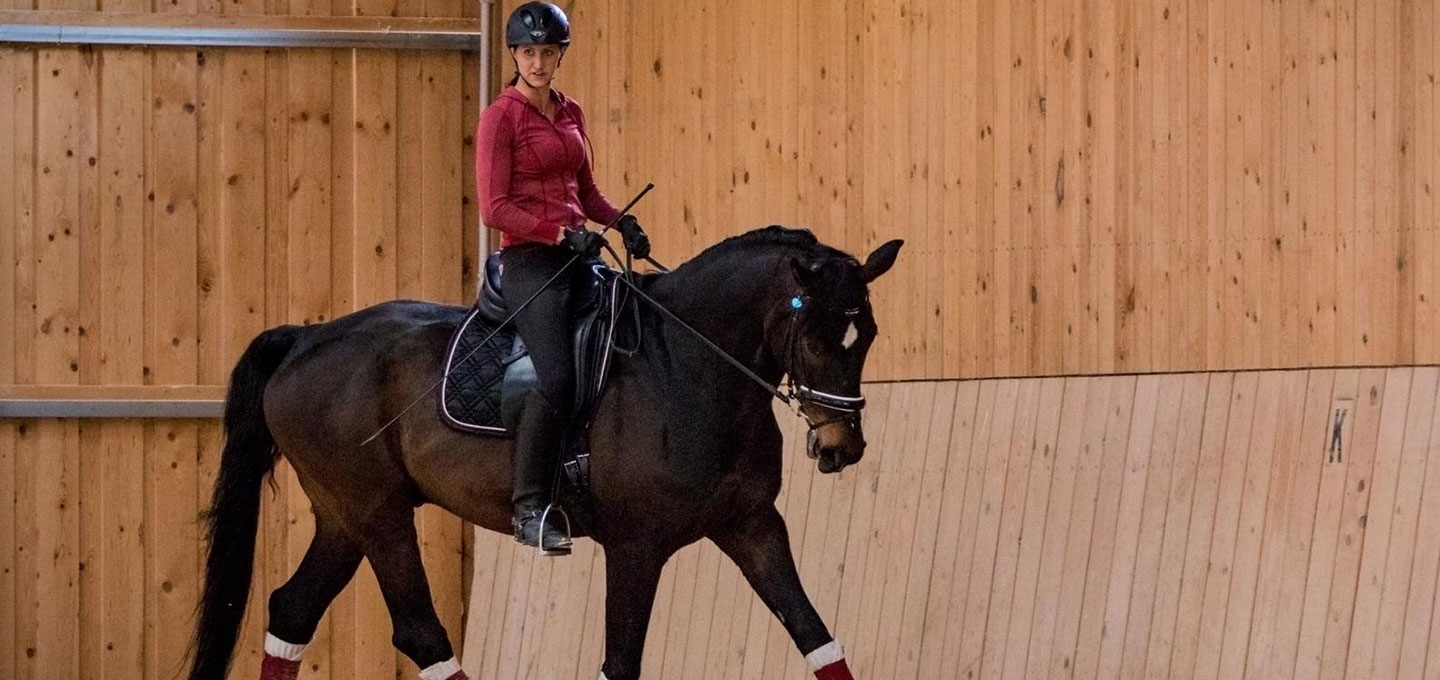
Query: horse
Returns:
{"type": "Point", "coordinates": [684, 446]}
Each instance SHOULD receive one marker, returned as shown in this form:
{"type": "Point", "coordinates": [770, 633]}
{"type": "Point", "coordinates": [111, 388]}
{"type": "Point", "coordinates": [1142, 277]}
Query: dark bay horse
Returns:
{"type": "Point", "coordinates": [684, 447]}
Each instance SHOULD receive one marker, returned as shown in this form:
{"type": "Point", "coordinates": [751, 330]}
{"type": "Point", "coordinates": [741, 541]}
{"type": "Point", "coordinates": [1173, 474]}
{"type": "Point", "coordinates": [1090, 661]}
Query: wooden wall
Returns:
{"type": "Point", "coordinates": [158, 207]}
{"type": "Point", "coordinates": [1085, 187]}
{"type": "Point", "coordinates": [1177, 526]}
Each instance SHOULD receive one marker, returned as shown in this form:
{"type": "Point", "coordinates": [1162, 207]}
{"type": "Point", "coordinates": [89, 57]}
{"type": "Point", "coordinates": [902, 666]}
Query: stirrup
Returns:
{"type": "Point", "coordinates": [540, 538]}
{"type": "Point", "coordinates": [558, 545]}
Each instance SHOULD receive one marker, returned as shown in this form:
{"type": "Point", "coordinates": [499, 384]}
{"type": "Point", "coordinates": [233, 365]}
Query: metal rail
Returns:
{"type": "Point", "coordinates": [111, 408]}
{"type": "Point", "coordinates": [98, 28]}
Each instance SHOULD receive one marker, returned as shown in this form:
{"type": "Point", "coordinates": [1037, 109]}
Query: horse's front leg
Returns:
{"type": "Point", "coordinates": [632, 573]}
{"type": "Point", "coordinates": [760, 546]}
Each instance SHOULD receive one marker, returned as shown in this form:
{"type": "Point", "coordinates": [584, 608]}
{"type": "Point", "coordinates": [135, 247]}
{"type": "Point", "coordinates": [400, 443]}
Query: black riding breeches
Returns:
{"type": "Point", "coordinates": [547, 324]}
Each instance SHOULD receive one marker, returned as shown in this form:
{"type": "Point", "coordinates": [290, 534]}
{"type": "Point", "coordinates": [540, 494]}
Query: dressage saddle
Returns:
{"type": "Point", "coordinates": [488, 371]}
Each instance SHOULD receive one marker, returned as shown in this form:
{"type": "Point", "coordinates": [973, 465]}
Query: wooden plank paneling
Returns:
{"type": "Point", "coordinates": [13, 104]}
{"type": "Point", "coordinates": [1289, 150]}
{"type": "Point", "coordinates": [1190, 512]}
{"type": "Point", "coordinates": [1153, 523]}
{"type": "Point", "coordinates": [1059, 657]}
{"type": "Point", "coordinates": [1055, 547]}
{"type": "Point", "coordinates": [1163, 102]}
{"type": "Point", "coordinates": [1396, 581]}
{"type": "Point", "coordinates": [149, 233]}
{"type": "Point", "coordinates": [947, 573]}
{"type": "Point", "coordinates": [1365, 614]}
{"type": "Point", "coordinates": [1120, 577]}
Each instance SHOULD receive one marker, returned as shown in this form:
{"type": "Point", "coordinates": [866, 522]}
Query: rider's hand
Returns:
{"type": "Point", "coordinates": [583, 241]}
{"type": "Point", "coordinates": [635, 239]}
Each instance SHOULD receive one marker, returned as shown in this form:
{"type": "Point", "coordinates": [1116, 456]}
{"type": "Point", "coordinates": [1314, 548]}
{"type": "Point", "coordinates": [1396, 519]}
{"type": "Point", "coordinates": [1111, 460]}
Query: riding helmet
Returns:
{"type": "Point", "coordinates": [537, 23]}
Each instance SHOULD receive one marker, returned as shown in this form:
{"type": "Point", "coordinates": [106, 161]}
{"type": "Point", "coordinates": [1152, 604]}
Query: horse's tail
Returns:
{"type": "Point", "coordinates": [234, 514]}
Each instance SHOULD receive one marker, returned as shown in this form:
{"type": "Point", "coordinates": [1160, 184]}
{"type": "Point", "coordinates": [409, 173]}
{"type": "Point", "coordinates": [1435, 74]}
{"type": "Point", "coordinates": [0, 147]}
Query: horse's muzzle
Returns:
{"type": "Point", "coordinates": [831, 460]}
{"type": "Point", "coordinates": [835, 446]}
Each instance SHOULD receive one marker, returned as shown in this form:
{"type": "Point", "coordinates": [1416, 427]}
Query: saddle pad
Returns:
{"type": "Point", "coordinates": [470, 394]}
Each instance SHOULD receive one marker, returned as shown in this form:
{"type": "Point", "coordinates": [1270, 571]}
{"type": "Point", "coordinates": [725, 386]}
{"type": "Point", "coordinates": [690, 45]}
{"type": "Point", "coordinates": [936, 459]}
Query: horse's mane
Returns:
{"type": "Point", "coordinates": [775, 235]}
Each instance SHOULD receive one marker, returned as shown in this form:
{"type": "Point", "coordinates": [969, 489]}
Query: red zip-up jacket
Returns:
{"type": "Point", "coordinates": [533, 175]}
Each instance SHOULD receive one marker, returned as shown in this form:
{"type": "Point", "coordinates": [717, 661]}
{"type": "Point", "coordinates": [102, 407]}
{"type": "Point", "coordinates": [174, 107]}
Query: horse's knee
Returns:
{"type": "Point", "coordinates": [424, 642]}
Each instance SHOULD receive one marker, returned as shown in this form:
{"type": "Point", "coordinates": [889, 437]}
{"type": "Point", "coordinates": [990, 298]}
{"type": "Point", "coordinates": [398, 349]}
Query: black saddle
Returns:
{"type": "Point", "coordinates": [485, 384]}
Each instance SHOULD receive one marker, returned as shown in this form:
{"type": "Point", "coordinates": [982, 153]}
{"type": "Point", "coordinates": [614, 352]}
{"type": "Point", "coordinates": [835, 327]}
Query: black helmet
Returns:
{"type": "Point", "coordinates": [537, 23]}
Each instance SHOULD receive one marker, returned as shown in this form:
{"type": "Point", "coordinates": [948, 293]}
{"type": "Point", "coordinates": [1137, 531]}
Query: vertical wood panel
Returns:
{"type": "Point", "coordinates": [972, 439]}
{"type": "Point", "coordinates": [1339, 531]}
{"type": "Point", "coordinates": [1020, 450]}
{"type": "Point", "coordinates": [1301, 517]}
{"type": "Point", "coordinates": [12, 63]}
{"type": "Point", "coordinates": [9, 559]}
{"type": "Point", "coordinates": [932, 479]}
{"type": "Point", "coordinates": [946, 574]}
{"type": "Point", "coordinates": [1154, 524]}
{"type": "Point", "coordinates": [1060, 656]}
{"type": "Point", "coordinates": [1186, 483]}
{"type": "Point", "coordinates": [881, 560]}
{"type": "Point", "coordinates": [990, 496]}
{"type": "Point", "coordinates": [1401, 389]}
{"type": "Point", "coordinates": [1419, 605]}
{"type": "Point", "coordinates": [1395, 584]}
{"type": "Point", "coordinates": [1055, 547]}
{"type": "Point", "coordinates": [1268, 428]}
{"type": "Point", "coordinates": [1218, 571]}
{"type": "Point", "coordinates": [1041, 449]}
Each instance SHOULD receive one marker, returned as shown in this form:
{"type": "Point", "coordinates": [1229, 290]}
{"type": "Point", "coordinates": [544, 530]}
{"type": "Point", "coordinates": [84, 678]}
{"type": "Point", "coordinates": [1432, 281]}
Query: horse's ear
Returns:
{"type": "Point", "coordinates": [807, 272]}
{"type": "Point", "coordinates": [881, 260]}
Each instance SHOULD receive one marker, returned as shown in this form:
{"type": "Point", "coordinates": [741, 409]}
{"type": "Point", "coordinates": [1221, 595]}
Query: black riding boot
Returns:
{"type": "Point", "coordinates": [537, 446]}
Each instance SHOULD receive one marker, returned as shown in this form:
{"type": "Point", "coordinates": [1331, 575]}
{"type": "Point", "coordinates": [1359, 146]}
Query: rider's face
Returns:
{"type": "Point", "coordinates": [537, 63]}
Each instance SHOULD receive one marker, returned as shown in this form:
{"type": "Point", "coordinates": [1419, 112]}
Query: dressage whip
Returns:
{"type": "Point", "coordinates": [624, 211]}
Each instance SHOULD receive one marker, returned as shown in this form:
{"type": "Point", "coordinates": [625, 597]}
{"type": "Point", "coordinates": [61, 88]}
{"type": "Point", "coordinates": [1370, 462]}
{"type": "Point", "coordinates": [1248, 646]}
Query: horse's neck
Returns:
{"type": "Point", "coordinates": [730, 305]}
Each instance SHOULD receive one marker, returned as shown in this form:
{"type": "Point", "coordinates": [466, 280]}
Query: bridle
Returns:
{"type": "Point", "coordinates": [846, 410]}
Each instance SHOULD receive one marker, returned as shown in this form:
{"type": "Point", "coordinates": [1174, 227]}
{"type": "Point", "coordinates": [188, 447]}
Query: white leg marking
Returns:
{"type": "Point", "coordinates": [442, 670]}
{"type": "Point", "coordinates": [827, 654]}
{"type": "Point", "coordinates": [281, 649]}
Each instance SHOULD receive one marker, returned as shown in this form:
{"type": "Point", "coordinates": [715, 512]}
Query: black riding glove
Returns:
{"type": "Point", "coordinates": [583, 241]}
{"type": "Point", "coordinates": [635, 239]}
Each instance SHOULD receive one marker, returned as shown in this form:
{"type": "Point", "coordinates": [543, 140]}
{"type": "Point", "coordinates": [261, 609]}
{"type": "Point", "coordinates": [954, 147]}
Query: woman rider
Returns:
{"type": "Point", "coordinates": [537, 189]}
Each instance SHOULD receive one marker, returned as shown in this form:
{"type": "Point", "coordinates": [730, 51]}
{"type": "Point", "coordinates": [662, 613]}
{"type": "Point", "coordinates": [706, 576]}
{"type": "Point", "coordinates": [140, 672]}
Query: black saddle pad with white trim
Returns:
{"type": "Point", "coordinates": [471, 393]}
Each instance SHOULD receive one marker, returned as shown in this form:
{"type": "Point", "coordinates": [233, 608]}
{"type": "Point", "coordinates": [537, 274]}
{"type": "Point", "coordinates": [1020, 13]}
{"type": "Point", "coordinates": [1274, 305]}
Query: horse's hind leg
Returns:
{"type": "Point", "coordinates": [760, 546]}
{"type": "Point", "coordinates": [393, 549]}
{"type": "Point", "coordinates": [296, 607]}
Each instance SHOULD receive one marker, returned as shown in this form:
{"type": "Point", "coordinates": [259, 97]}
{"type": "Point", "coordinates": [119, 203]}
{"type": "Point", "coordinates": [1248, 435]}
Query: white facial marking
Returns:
{"type": "Point", "coordinates": [851, 335]}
